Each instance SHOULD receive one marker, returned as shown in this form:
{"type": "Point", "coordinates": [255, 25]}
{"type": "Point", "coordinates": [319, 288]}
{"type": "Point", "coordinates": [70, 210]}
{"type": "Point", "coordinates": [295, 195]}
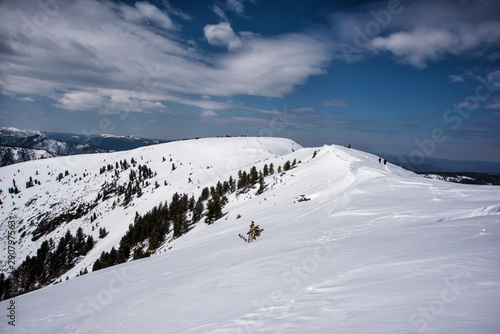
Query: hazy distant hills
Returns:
{"type": "Point", "coordinates": [106, 142]}
{"type": "Point", "coordinates": [22, 145]}
{"type": "Point", "coordinates": [430, 164]}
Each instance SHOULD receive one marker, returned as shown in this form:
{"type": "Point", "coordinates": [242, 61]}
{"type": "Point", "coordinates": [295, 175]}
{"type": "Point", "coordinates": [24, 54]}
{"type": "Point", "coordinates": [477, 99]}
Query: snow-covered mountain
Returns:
{"type": "Point", "coordinates": [349, 245]}
{"type": "Point", "coordinates": [467, 178]}
{"type": "Point", "coordinates": [12, 155]}
{"type": "Point", "coordinates": [23, 145]}
{"type": "Point", "coordinates": [106, 141]}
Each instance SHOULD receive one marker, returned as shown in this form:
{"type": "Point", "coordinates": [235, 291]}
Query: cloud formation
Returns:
{"type": "Point", "coordinates": [145, 12]}
{"type": "Point", "coordinates": [420, 46]}
{"type": "Point", "coordinates": [419, 33]}
{"type": "Point", "coordinates": [86, 55]}
{"type": "Point", "coordinates": [222, 35]}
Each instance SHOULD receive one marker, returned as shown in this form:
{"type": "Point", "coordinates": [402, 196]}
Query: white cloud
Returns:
{"type": "Point", "coordinates": [208, 113]}
{"type": "Point", "coordinates": [81, 101]}
{"type": "Point", "coordinates": [418, 47]}
{"type": "Point", "coordinates": [94, 57]}
{"type": "Point", "coordinates": [494, 106]}
{"type": "Point", "coordinates": [236, 5]}
{"type": "Point", "coordinates": [222, 35]}
{"type": "Point", "coordinates": [26, 99]}
{"type": "Point", "coordinates": [422, 32]}
{"type": "Point", "coordinates": [145, 12]}
{"type": "Point", "coordinates": [273, 67]}
{"type": "Point", "coordinates": [456, 78]}
{"type": "Point", "coordinates": [217, 10]}
{"type": "Point", "coordinates": [335, 103]}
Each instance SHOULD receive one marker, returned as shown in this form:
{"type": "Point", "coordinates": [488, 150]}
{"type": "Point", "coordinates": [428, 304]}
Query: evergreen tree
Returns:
{"type": "Point", "coordinates": [266, 170]}
{"type": "Point", "coordinates": [261, 184]}
{"type": "Point", "coordinates": [287, 166]}
{"type": "Point", "coordinates": [214, 208]}
{"type": "Point", "coordinates": [97, 265]}
{"type": "Point", "coordinates": [180, 225]}
{"type": "Point", "coordinates": [254, 175]}
{"type": "Point", "coordinates": [205, 193]}
{"type": "Point", "coordinates": [198, 211]}
{"type": "Point", "coordinates": [253, 233]}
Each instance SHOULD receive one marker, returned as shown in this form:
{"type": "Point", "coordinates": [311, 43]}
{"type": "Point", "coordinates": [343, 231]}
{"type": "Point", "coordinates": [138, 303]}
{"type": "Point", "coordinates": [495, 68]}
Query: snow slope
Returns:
{"type": "Point", "coordinates": [376, 249]}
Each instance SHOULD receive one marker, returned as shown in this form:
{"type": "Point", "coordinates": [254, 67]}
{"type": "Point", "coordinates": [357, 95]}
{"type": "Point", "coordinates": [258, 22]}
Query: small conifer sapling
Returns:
{"type": "Point", "coordinates": [253, 233]}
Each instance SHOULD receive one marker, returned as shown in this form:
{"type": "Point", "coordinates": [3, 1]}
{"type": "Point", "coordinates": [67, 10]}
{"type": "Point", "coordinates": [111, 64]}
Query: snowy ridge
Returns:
{"type": "Point", "coordinates": [374, 249]}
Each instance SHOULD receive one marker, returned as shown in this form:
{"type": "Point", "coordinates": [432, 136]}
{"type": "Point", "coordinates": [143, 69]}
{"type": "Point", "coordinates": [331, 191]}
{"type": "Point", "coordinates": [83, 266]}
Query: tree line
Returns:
{"type": "Point", "coordinates": [50, 262]}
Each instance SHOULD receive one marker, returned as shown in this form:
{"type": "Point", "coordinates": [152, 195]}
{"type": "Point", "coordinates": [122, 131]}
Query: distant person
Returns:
{"type": "Point", "coordinates": [379, 160]}
{"type": "Point", "coordinates": [385, 161]}
{"type": "Point", "coordinates": [349, 146]}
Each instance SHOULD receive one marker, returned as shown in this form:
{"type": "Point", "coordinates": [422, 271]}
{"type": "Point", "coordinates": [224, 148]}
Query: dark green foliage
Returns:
{"type": "Point", "coordinates": [205, 193]}
{"type": "Point", "coordinates": [198, 210]}
{"type": "Point", "coordinates": [261, 184]}
{"type": "Point", "coordinates": [97, 265]}
{"type": "Point", "coordinates": [30, 183]}
{"type": "Point", "coordinates": [253, 233]}
{"type": "Point", "coordinates": [102, 233]}
{"type": "Point", "coordinates": [287, 166]}
{"type": "Point", "coordinates": [214, 208]}
{"type": "Point", "coordinates": [49, 262]}
{"type": "Point", "coordinates": [47, 225]}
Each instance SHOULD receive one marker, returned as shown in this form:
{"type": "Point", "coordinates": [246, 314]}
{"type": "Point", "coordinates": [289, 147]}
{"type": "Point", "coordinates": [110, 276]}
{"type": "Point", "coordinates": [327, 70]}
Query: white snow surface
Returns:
{"type": "Point", "coordinates": [376, 249]}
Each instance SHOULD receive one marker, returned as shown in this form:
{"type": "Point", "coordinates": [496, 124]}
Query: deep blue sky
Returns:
{"type": "Point", "coordinates": [418, 78]}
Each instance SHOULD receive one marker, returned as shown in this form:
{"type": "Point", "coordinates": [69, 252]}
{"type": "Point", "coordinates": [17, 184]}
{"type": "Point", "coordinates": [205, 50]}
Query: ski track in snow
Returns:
{"type": "Point", "coordinates": [376, 249]}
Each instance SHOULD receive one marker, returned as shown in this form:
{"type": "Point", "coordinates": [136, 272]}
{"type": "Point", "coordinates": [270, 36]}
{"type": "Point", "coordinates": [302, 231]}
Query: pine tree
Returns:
{"type": "Point", "coordinates": [214, 207]}
{"type": "Point", "coordinates": [254, 175]}
{"type": "Point", "coordinates": [198, 210]}
{"type": "Point", "coordinates": [286, 166]}
{"type": "Point", "coordinates": [102, 232]}
{"type": "Point", "coordinates": [253, 233]}
{"type": "Point", "coordinates": [97, 265]}
{"type": "Point", "coordinates": [266, 170]}
{"type": "Point", "coordinates": [180, 225]}
{"type": "Point", "coordinates": [261, 184]}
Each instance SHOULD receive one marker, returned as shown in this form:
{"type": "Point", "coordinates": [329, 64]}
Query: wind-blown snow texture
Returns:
{"type": "Point", "coordinates": [376, 249]}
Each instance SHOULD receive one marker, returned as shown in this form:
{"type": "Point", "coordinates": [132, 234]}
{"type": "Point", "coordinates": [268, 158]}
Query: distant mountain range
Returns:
{"type": "Point", "coordinates": [465, 177]}
{"type": "Point", "coordinates": [430, 164]}
{"type": "Point", "coordinates": [22, 145]}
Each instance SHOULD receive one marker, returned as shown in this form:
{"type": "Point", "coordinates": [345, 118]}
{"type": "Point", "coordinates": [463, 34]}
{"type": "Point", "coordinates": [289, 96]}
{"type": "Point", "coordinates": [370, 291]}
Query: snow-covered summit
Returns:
{"type": "Point", "coordinates": [349, 245]}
